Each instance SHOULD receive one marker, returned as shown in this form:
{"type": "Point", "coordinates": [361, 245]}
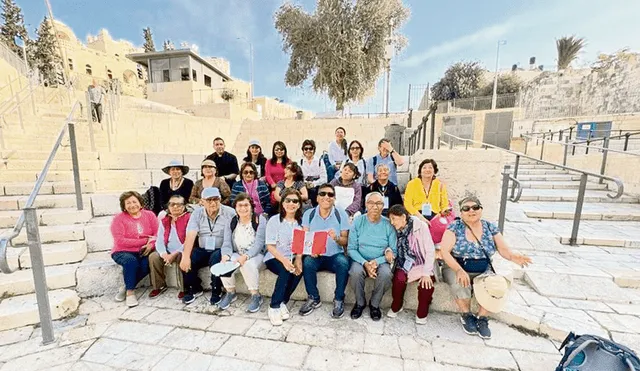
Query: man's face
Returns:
{"type": "Point", "coordinates": [212, 205]}
{"type": "Point", "coordinates": [218, 145]}
{"type": "Point", "coordinates": [326, 198]}
{"type": "Point", "coordinates": [384, 149]}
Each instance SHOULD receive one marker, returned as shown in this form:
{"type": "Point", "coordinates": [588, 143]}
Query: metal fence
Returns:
{"type": "Point", "coordinates": [478, 103]}
{"type": "Point", "coordinates": [13, 59]}
{"type": "Point", "coordinates": [418, 97]}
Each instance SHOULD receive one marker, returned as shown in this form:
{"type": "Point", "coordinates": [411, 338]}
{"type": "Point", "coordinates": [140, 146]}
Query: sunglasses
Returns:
{"type": "Point", "coordinates": [354, 148]}
{"type": "Point", "coordinates": [248, 172]}
{"type": "Point", "coordinates": [326, 194]}
{"type": "Point", "coordinates": [307, 149]}
{"type": "Point", "coordinates": [291, 201]}
{"type": "Point", "coordinates": [467, 208]}
{"type": "Point", "coordinates": [212, 199]}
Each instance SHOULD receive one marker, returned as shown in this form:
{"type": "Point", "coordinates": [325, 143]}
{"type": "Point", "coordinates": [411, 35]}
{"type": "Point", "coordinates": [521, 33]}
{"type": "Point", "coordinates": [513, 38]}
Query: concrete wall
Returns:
{"type": "Point", "coordinates": [472, 171]}
{"type": "Point", "coordinates": [179, 93]}
{"type": "Point", "coordinates": [226, 110]}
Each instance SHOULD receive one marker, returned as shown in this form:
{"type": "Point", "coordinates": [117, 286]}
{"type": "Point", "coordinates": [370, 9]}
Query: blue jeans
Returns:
{"type": "Point", "coordinates": [201, 258]}
{"type": "Point", "coordinates": [285, 284]}
{"type": "Point", "coordinates": [338, 264]}
{"type": "Point", "coordinates": [135, 267]}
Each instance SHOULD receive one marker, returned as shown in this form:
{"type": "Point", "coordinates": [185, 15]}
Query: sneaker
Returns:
{"type": "Point", "coordinates": [215, 299]}
{"type": "Point", "coordinates": [308, 307]}
{"type": "Point", "coordinates": [338, 309]}
{"type": "Point", "coordinates": [132, 301]}
{"type": "Point", "coordinates": [155, 292]}
{"type": "Point", "coordinates": [227, 299]}
{"type": "Point", "coordinates": [483, 327]}
{"type": "Point", "coordinates": [255, 303]}
{"type": "Point", "coordinates": [275, 316]}
{"type": "Point", "coordinates": [392, 314]}
{"type": "Point", "coordinates": [356, 312]}
{"type": "Point", "coordinates": [469, 324]}
{"type": "Point", "coordinates": [284, 311]}
{"type": "Point", "coordinates": [180, 295]}
{"type": "Point", "coordinates": [121, 295]}
{"type": "Point", "coordinates": [375, 313]}
{"type": "Point", "coordinates": [190, 298]}
{"type": "Point", "coordinates": [421, 321]}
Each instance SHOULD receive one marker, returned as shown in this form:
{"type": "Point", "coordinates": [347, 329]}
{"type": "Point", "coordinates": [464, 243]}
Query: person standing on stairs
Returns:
{"type": "Point", "coordinates": [226, 162]}
{"type": "Point", "coordinates": [134, 238]}
{"type": "Point", "coordinates": [96, 93]}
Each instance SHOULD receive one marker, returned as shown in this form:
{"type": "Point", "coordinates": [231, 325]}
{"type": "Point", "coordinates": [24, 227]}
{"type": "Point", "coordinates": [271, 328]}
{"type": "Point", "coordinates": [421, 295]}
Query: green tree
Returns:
{"type": "Point", "coordinates": [568, 48]}
{"type": "Point", "coordinates": [340, 47]}
{"type": "Point", "coordinates": [148, 40]}
{"type": "Point", "coordinates": [12, 27]}
{"type": "Point", "coordinates": [45, 55]}
{"type": "Point", "coordinates": [508, 83]}
{"type": "Point", "coordinates": [460, 80]}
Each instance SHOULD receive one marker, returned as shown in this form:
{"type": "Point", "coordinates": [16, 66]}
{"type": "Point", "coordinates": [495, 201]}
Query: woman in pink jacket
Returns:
{"type": "Point", "coordinates": [416, 254]}
{"type": "Point", "coordinates": [134, 238]}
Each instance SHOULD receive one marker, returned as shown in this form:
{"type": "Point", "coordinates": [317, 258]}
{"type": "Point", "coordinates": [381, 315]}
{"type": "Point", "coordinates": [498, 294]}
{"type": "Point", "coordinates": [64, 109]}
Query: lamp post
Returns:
{"type": "Point", "coordinates": [495, 78]}
{"type": "Point", "coordinates": [250, 56]}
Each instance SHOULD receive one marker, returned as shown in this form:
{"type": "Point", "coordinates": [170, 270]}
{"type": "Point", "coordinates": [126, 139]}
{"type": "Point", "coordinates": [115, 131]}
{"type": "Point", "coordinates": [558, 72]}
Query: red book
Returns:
{"type": "Point", "coordinates": [297, 246]}
{"type": "Point", "coordinates": [319, 246]}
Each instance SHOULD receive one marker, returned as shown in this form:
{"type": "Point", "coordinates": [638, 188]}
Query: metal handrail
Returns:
{"type": "Point", "coordinates": [603, 149]}
{"type": "Point", "coordinates": [5, 240]}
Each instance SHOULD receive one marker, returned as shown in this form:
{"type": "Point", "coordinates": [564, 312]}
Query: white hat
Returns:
{"type": "Point", "coordinates": [491, 291]}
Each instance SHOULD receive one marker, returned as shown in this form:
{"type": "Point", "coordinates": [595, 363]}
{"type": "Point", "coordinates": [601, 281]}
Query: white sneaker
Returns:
{"type": "Point", "coordinates": [275, 316]}
{"type": "Point", "coordinates": [132, 301]}
{"type": "Point", "coordinates": [392, 314]}
{"type": "Point", "coordinates": [121, 295]}
{"type": "Point", "coordinates": [284, 311]}
{"type": "Point", "coordinates": [421, 321]}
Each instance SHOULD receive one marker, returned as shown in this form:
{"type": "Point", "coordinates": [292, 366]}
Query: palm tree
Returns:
{"type": "Point", "coordinates": [568, 49]}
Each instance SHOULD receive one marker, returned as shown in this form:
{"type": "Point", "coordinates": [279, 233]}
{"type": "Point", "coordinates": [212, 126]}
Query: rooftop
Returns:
{"type": "Point", "coordinates": [143, 58]}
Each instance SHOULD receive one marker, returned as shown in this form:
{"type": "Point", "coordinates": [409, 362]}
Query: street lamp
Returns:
{"type": "Point", "coordinates": [251, 56]}
{"type": "Point", "coordinates": [495, 78]}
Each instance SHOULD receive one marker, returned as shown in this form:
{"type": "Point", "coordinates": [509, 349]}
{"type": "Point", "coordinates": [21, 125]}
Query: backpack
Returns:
{"type": "Point", "coordinates": [254, 222]}
{"type": "Point", "coordinates": [335, 212]}
{"type": "Point", "coordinates": [375, 161]}
{"type": "Point", "coordinates": [151, 200]}
{"type": "Point", "coordinates": [594, 353]}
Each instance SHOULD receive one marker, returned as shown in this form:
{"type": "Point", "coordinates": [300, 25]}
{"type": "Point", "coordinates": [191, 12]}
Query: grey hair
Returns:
{"type": "Point", "coordinates": [369, 195]}
{"type": "Point", "coordinates": [470, 197]}
{"type": "Point", "coordinates": [382, 165]}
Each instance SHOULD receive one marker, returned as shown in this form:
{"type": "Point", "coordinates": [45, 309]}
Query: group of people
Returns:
{"type": "Point", "coordinates": [292, 218]}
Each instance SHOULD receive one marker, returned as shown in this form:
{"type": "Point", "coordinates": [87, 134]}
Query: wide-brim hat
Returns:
{"type": "Point", "coordinates": [208, 162]}
{"type": "Point", "coordinates": [491, 291]}
{"type": "Point", "coordinates": [176, 163]}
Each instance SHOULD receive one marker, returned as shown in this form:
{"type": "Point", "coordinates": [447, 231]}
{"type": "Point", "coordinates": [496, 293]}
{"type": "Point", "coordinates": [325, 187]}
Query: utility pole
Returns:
{"type": "Point", "coordinates": [62, 54]}
{"type": "Point", "coordinates": [388, 54]}
{"type": "Point", "coordinates": [494, 98]}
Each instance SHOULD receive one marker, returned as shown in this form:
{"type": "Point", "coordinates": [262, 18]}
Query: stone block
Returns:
{"type": "Point", "coordinates": [630, 340]}
{"type": "Point", "coordinates": [99, 275]}
{"type": "Point", "coordinates": [473, 356]}
{"type": "Point", "coordinates": [98, 237]}
{"type": "Point", "coordinates": [323, 359]}
{"type": "Point", "coordinates": [141, 332]}
{"type": "Point", "coordinates": [22, 310]}
{"type": "Point", "coordinates": [558, 322]}
{"type": "Point", "coordinates": [58, 253]}
{"type": "Point", "coordinates": [21, 282]}
{"type": "Point", "coordinates": [120, 354]}
{"type": "Point", "coordinates": [15, 335]}
{"type": "Point", "coordinates": [122, 161]}
{"type": "Point", "coordinates": [112, 180]}
{"type": "Point", "coordinates": [265, 351]}
{"type": "Point", "coordinates": [65, 217]}
{"type": "Point", "coordinates": [105, 204]}
{"type": "Point", "coordinates": [617, 322]}
{"type": "Point", "coordinates": [530, 361]}
{"type": "Point", "coordinates": [156, 161]}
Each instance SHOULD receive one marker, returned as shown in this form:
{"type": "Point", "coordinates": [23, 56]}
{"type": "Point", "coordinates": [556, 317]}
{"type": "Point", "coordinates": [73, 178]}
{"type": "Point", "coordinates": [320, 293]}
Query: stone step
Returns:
{"type": "Point", "coordinates": [571, 195]}
{"type": "Point", "coordinates": [538, 172]}
{"type": "Point", "coordinates": [548, 177]}
{"type": "Point", "coordinates": [63, 153]}
{"type": "Point", "coordinates": [53, 254]}
{"type": "Point", "coordinates": [61, 216]}
{"type": "Point", "coordinates": [43, 202]}
{"type": "Point", "coordinates": [21, 282]}
{"type": "Point", "coordinates": [561, 185]}
{"type": "Point", "coordinates": [55, 165]}
{"type": "Point", "coordinates": [535, 166]}
{"type": "Point", "coordinates": [19, 311]}
{"type": "Point", "coordinates": [55, 233]}
{"type": "Point", "coordinates": [47, 188]}
{"type": "Point", "coordinates": [598, 211]}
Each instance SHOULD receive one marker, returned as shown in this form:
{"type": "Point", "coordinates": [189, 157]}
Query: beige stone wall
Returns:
{"type": "Point", "coordinates": [618, 165]}
{"type": "Point", "coordinates": [236, 113]}
{"type": "Point", "coordinates": [474, 170]}
{"type": "Point", "coordinates": [272, 109]}
{"type": "Point", "coordinates": [178, 93]}
{"type": "Point", "coordinates": [630, 121]}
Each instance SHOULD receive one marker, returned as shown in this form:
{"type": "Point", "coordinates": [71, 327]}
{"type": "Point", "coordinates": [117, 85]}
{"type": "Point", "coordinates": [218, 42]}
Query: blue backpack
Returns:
{"type": "Point", "coordinates": [594, 353]}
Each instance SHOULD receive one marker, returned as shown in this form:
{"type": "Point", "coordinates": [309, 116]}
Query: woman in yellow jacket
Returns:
{"type": "Point", "coordinates": [426, 196]}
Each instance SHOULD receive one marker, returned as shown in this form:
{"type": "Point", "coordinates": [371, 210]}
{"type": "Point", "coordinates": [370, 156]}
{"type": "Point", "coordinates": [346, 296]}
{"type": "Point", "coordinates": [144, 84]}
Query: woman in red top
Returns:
{"type": "Point", "coordinates": [134, 238]}
{"type": "Point", "coordinates": [274, 169]}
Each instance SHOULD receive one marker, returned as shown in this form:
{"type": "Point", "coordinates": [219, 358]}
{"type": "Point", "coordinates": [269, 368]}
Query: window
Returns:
{"type": "Point", "coordinates": [109, 75]}
{"type": "Point", "coordinates": [207, 80]}
{"type": "Point", "coordinates": [70, 64]}
{"type": "Point", "coordinates": [87, 69]}
{"type": "Point", "coordinates": [184, 74]}
{"type": "Point", "coordinates": [165, 76]}
{"type": "Point", "coordinates": [194, 75]}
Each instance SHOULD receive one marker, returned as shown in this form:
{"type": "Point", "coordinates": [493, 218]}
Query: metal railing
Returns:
{"type": "Point", "coordinates": [417, 140]}
{"type": "Point", "coordinates": [479, 103]}
{"type": "Point", "coordinates": [581, 189]}
{"type": "Point", "coordinates": [12, 58]}
{"type": "Point", "coordinates": [110, 109]}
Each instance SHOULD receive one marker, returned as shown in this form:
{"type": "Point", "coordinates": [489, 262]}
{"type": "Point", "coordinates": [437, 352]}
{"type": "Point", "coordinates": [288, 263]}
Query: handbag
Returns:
{"type": "Point", "coordinates": [472, 265]}
{"type": "Point", "coordinates": [436, 227]}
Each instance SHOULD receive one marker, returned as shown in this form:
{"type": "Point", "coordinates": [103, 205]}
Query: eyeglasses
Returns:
{"type": "Point", "coordinates": [212, 199]}
{"type": "Point", "coordinates": [291, 201]}
{"type": "Point", "coordinates": [326, 194]}
{"type": "Point", "coordinates": [307, 149]}
{"type": "Point", "coordinates": [473, 207]}
{"type": "Point", "coordinates": [248, 172]}
{"type": "Point", "coordinates": [208, 167]}
{"type": "Point", "coordinates": [355, 148]}
{"type": "Point", "coordinates": [375, 204]}
{"type": "Point", "coordinates": [175, 204]}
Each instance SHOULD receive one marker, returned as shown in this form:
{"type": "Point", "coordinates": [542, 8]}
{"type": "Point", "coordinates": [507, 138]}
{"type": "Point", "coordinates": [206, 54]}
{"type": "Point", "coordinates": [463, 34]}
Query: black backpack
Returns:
{"type": "Point", "coordinates": [594, 353]}
{"type": "Point", "coordinates": [254, 222]}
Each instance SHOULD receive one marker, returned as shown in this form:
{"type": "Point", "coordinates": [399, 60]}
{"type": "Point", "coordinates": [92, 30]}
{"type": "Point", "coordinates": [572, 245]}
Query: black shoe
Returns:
{"type": "Point", "coordinates": [356, 312]}
{"type": "Point", "coordinates": [191, 297]}
{"type": "Point", "coordinates": [469, 323]}
{"type": "Point", "coordinates": [338, 309]}
{"type": "Point", "coordinates": [215, 299]}
{"type": "Point", "coordinates": [308, 307]}
{"type": "Point", "coordinates": [482, 323]}
{"type": "Point", "coordinates": [375, 313]}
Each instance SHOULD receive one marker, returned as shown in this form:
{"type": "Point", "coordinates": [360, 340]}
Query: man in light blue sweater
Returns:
{"type": "Point", "coordinates": [372, 249]}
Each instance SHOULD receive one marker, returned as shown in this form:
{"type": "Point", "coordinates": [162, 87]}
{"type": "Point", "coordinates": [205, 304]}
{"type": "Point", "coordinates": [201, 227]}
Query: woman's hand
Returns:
{"type": "Point", "coordinates": [146, 249]}
{"type": "Point", "coordinates": [388, 255]}
{"type": "Point", "coordinates": [425, 282]}
{"type": "Point", "coordinates": [521, 260]}
{"type": "Point", "coordinates": [462, 278]}
{"type": "Point", "coordinates": [298, 266]}
{"type": "Point", "coordinates": [242, 259]}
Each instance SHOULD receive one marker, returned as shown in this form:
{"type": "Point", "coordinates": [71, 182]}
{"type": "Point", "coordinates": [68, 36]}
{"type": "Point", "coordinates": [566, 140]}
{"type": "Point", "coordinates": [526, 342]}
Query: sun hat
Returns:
{"type": "Point", "coordinates": [254, 142]}
{"type": "Point", "coordinates": [176, 163]}
{"type": "Point", "coordinates": [209, 192]}
{"type": "Point", "coordinates": [468, 198]}
{"type": "Point", "coordinates": [491, 291]}
{"type": "Point", "coordinates": [208, 162]}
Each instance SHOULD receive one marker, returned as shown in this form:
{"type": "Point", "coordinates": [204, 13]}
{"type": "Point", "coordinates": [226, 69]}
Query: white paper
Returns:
{"type": "Point", "coordinates": [344, 197]}
{"type": "Point", "coordinates": [386, 203]}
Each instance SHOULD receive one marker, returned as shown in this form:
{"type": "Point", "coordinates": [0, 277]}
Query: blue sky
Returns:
{"type": "Point", "coordinates": [440, 33]}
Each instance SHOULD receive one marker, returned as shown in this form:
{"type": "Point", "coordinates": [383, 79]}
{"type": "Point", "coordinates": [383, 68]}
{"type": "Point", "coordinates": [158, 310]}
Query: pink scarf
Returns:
{"type": "Point", "coordinates": [252, 191]}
